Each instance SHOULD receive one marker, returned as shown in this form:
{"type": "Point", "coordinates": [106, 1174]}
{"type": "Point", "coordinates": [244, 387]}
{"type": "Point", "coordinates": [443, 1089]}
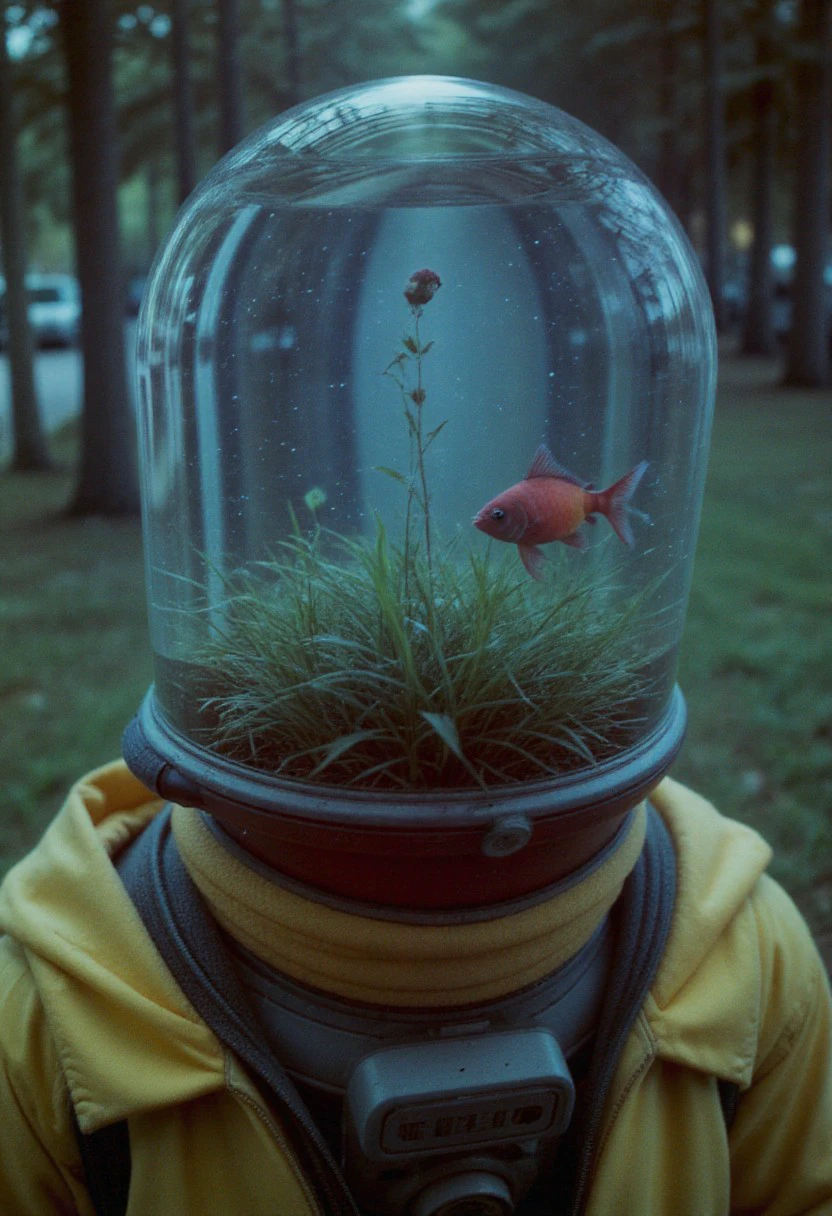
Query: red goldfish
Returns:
{"type": "Point", "coordinates": [551, 504]}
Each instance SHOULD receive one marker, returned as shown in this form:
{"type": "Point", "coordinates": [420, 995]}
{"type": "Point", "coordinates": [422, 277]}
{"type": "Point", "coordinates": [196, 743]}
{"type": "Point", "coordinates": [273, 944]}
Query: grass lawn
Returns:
{"type": "Point", "coordinates": [757, 656]}
{"type": "Point", "coordinates": [756, 663]}
{"type": "Point", "coordinates": [74, 653]}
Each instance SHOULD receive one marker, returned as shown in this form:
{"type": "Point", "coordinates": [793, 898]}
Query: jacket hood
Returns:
{"type": "Point", "coordinates": [127, 1038]}
{"type": "Point", "coordinates": [698, 1018]}
{"type": "Point", "coordinates": [129, 1041]}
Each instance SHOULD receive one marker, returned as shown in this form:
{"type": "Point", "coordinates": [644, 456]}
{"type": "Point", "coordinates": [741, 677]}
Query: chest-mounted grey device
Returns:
{"type": "Point", "coordinates": [438, 1111]}
{"type": "Point", "coordinates": [458, 1127]}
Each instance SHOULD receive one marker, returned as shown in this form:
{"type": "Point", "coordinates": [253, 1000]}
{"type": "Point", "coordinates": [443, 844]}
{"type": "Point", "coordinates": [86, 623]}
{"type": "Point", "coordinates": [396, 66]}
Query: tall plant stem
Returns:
{"type": "Point", "coordinates": [420, 449]}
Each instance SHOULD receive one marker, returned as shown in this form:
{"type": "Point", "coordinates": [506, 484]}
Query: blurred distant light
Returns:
{"type": "Point", "coordinates": [785, 11]}
{"type": "Point", "coordinates": [742, 235]}
{"type": "Point", "coordinates": [783, 257]}
{"type": "Point", "coordinates": [26, 27]}
{"type": "Point", "coordinates": [18, 40]}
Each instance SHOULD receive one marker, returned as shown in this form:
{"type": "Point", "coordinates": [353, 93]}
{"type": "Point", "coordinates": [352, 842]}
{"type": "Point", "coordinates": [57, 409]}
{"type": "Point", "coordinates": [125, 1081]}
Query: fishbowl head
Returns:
{"type": "Point", "coordinates": [426, 372]}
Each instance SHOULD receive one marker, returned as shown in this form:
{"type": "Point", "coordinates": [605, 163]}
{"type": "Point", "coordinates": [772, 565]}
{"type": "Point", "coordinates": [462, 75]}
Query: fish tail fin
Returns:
{"type": "Point", "coordinates": [615, 502]}
{"type": "Point", "coordinates": [533, 559]}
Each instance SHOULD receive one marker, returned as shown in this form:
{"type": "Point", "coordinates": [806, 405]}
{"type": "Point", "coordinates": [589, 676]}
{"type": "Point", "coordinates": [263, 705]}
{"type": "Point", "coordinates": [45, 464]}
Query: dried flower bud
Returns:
{"type": "Point", "coordinates": [422, 286]}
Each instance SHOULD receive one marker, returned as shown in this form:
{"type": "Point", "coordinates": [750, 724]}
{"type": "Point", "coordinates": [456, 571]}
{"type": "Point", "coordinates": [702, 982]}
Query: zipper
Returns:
{"type": "Point", "coordinates": [277, 1135]}
{"type": "Point", "coordinates": [595, 1143]}
{"type": "Point", "coordinates": [323, 1183]}
{"type": "Point", "coordinates": [635, 1076]}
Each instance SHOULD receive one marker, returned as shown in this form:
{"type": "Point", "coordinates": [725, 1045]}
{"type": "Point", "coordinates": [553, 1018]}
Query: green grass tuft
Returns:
{"type": "Point", "coordinates": [350, 662]}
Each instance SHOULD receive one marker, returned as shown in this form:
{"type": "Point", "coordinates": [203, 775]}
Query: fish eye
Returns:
{"type": "Point", "coordinates": [497, 513]}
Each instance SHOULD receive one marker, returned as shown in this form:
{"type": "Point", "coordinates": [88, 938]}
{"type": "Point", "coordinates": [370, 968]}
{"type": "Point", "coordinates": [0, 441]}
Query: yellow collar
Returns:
{"type": "Point", "coordinates": [391, 963]}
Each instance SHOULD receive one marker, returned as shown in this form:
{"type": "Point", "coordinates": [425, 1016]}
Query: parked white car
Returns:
{"type": "Point", "coordinates": [54, 309]}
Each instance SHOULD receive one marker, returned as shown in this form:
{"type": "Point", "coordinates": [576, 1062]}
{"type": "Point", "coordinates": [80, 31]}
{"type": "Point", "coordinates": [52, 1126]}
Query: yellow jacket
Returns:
{"type": "Point", "coordinates": [85, 1001]}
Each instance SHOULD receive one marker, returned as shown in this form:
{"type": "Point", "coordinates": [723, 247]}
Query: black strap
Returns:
{"type": "Point", "coordinates": [191, 945]}
{"type": "Point", "coordinates": [105, 1156]}
{"type": "Point", "coordinates": [729, 1100]}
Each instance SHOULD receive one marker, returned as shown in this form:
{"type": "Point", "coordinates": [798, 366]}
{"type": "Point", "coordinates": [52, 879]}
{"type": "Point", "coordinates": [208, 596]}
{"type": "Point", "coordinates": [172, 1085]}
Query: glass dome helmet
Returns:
{"type": "Point", "coordinates": [426, 372]}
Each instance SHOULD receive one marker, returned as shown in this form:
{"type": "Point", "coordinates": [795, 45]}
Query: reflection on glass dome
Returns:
{"type": "Point", "coordinates": [426, 375]}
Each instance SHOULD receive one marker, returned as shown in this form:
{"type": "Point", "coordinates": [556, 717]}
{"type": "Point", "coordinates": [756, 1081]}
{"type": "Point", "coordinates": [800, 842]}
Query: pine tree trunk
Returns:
{"type": "Point", "coordinates": [809, 359]}
{"type": "Point", "coordinates": [229, 74]}
{"type": "Point", "coordinates": [758, 333]}
{"type": "Point", "coordinates": [154, 225]}
{"type": "Point", "coordinates": [687, 192]}
{"type": "Point", "coordinates": [182, 100]}
{"type": "Point", "coordinates": [715, 185]}
{"type": "Point", "coordinates": [669, 160]}
{"type": "Point", "coordinates": [108, 483]}
{"type": "Point", "coordinates": [30, 452]}
{"type": "Point", "coordinates": [292, 51]}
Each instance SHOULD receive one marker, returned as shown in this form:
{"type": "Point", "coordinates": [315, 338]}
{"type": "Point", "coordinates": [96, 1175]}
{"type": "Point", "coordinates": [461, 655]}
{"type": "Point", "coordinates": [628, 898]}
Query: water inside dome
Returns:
{"type": "Point", "coordinates": [372, 322]}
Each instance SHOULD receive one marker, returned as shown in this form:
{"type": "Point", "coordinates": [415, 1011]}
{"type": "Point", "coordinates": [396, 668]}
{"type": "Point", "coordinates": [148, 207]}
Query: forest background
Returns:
{"type": "Point", "coordinates": [111, 112]}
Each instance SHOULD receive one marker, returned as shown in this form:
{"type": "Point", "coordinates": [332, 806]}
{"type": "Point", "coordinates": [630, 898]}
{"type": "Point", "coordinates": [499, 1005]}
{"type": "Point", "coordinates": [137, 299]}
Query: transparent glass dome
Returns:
{"type": "Point", "coordinates": [376, 316]}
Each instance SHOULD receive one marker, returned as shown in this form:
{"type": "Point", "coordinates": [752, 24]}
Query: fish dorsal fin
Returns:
{"type": "Point", "coordinates": [545, 465]}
